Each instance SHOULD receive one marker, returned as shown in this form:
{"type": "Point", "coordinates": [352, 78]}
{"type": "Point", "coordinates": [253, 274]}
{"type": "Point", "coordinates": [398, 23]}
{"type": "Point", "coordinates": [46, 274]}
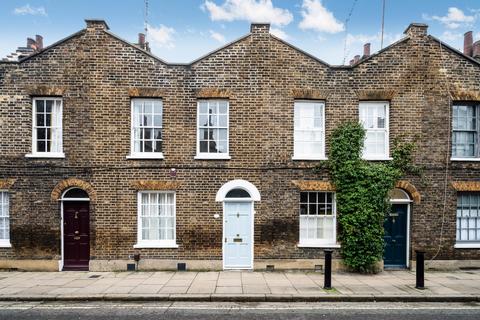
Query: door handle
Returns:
{"type": "Point", "coordinates": [76, 238]}
{"type": "Point", "coordinates": [77, 232]}
{"type": "Point", "coordinates": [225, 239]}
{"type": "Point", "coordinates": [394, 241]}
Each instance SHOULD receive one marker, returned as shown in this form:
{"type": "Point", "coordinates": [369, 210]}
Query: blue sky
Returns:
{"type": "Point", "coordinates": [183, 30]}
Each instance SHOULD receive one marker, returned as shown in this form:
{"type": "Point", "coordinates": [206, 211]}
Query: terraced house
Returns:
{"type": "Point", "coordinates": [109, 153]}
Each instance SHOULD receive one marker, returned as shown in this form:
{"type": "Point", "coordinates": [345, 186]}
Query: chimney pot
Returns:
{"type": "Point", "coordinates": [476, 50]}
{"type": "Point", "coordinates": [468, 43]}
{"type": "Point", "coordinates": [356, 58]}
{"type": "Point", "coordinates": [352, 62]}
{"type": "Point", "coordinates": [366, 50]}
{"type": "Point", "coordinates": [39, 42]}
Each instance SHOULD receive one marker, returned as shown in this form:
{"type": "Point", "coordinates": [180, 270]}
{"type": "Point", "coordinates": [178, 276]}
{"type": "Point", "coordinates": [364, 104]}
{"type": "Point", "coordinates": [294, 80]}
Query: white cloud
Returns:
{"type": "Point", "coordinates": [29, 10]}
{"type": "Point", "coordinates": [161, 37]}
{"type": "Point", "coordinates": [318, 18]}
{"type": "Point", "coordinates": [454, 19]}
{"type": "Point", "coordinates": [217, 36]}
{"type": "Point", "coordinates": [388, 38]}
{"type": "Point", "coordinates": [355, 42]}
{"type": "Point", "coordinates": [249, 10]}
{"type": "Point", "coordinates": [451, 36]}
{"type": "Point", "coordinates": [279, 33]}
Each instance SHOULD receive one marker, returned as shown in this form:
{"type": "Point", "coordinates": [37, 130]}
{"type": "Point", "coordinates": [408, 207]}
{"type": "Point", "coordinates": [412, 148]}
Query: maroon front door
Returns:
{"type": "Point", "coordinates": [76, 235]}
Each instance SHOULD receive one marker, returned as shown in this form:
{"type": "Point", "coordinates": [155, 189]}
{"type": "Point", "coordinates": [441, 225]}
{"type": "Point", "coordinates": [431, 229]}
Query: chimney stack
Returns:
{"type": "Point", "coordinates": [356, 58]}
{"type": "Point", "coordinates": [39, 42]}
{"type": "Point", "coordinates": [468, 43]}
{"type": "Point", "coordinates": [476, 50]}
{"type": "Point", "coordinates": [366, 50]}
{"type": "Point", "coordinates": [31, 43]}
{"type": "Point", "coordinates": [141, 40]}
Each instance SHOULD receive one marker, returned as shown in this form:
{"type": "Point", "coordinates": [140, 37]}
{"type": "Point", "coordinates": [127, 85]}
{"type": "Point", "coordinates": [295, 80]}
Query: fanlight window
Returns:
{"type": "Point", "coordinates": [398, 194]}
{"type": "Point", "coordinates": [237, 193]}
{"type": "Point", "coordinates": [75, 193]}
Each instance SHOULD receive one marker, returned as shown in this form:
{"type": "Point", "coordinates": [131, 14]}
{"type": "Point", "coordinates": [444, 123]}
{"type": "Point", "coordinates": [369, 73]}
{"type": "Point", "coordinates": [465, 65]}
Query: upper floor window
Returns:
{"type": "Point", "coordinates": [374, 118]}
{"type": "Point", "coordinates": [468, 219]}
{"type": "Point", "coordinates": [156, 219]}
{"type": "Point", "coordinates": [47, 128]}
{"type": "Point", "coordinates": [465, 131]}
{"type": "Point", "coordinates": [146, 136]}
{"type": "Point", "coordinates": [4, 220]}
{"type": "Point", "coordinates": [212, 129]}
{"type": "Point", "coordinates": [317, 219]}
{"type": "Point", "coordinates": [309, 130]}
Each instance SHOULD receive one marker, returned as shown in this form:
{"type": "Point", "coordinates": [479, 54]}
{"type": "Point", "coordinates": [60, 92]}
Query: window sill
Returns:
{"type": "Point", "coordinates": [319, 245]}
{"type": "Point", "coordinates": [139, 156]}
{"type": "Point", "coordinates": [156, 245]}
{"type": "Point", "coordinates": [475, 245]}
{"type": "Point", "coordinates": [58, 155]}
{"type": "Point", "coordinates": [465, 159]}
{"type": "Point", "coordinates": [5, 244]}
{"type": "Point", "coordinates": [212, 157]}
{"type": "Point", "coordinates": [377, 158]}
{"type": "Point", "coordinates": [295, 158]}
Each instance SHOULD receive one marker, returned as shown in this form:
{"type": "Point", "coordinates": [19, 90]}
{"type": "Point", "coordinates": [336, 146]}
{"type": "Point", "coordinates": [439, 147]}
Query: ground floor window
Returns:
{"type": "Point", "coordinates": [156, 219]}
{"type": "Point", "coordinates": [468, 218]}
{"type": "Point", "coordinates": [4, 219]}
{"type": "Point", "coordinates": [317, 219]}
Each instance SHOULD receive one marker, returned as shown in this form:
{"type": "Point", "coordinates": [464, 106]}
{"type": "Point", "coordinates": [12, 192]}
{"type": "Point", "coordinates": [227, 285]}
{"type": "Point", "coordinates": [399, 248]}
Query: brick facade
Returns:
{"type": "Point", "coordinates": [97, 74]}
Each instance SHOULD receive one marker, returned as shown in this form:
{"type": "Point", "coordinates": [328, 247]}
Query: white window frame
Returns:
{"type": "Point", "coordinates": [386, 130]}
{"type": "Point", "coordinates": [467, 244]}
{"type": "Point", "coordinates": [320, 243]}
{"type": "Point", "coordinates": [321, 155]}
{"type": "Point", "coordinates": [476, 157]}
{"type": "Point", "coordinates": [155, 243]}
{"type": "Point", "coordinates": [143, 155]}
{"type": "Point", "coordinates": [35, 153]}
{"type": "Point", "coordinates": [5, 243]}
{"type": "Point", "coordinates": [208, 155]}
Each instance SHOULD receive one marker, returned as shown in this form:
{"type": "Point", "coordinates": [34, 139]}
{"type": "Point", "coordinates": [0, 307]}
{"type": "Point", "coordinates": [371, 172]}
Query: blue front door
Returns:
{"type": "Point", "coordinates": [238, 235]}
{"type": "Point", "coordinates": [395, 225]}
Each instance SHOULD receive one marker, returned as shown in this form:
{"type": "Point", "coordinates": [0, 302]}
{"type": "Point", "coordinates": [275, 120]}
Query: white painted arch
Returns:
{"type": "Point", "coordinates": [238, 184]}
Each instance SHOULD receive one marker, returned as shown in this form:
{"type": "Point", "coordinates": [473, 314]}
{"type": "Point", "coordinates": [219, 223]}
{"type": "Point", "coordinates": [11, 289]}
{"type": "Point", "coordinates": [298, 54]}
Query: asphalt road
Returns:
{"type": "Point", "coordinates": [234, 311]}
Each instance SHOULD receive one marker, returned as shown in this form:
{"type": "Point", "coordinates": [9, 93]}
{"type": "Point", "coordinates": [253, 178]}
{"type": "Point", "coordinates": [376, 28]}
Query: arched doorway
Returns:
{"type": "Point", "coordinates": [397, 231]}
{"type": "Point", "coordinates": [238, 198]}
{"type": "Point", "coordinates": [75, 229]}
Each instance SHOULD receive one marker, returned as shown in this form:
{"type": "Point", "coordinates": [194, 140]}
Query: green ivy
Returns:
{"type": "Point", "coordinates": [362, 194]}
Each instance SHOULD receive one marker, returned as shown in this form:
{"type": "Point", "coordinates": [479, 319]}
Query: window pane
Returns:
{"type": "Point", "coordinates": [213, 115]}
{"type": "Point", "coordinates": [317, 217]}
{"type": "Point", "coordinates": [157, 210]}
{"type": "Point", "coordinates": [468, 222]}
{"type": "Point", "coordinates": [308, 133]}
{"type": "Point", "coordinates": [48, 122]}
{"type": "Point", "coordinates": [4, 216]}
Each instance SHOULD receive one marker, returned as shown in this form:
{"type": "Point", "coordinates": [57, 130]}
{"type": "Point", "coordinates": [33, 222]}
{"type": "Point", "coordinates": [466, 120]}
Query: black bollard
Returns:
{"type": "Point", "coordinates": [420, 270]}
{"type": "Point", "coordinates": [328, 269]}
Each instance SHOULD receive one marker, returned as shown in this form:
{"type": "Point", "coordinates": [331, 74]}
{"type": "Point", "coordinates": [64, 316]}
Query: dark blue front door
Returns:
{"type": "Point", "coordinates": [395, 255]}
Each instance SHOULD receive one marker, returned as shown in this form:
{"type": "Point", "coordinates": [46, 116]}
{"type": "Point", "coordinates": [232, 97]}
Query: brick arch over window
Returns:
{"type": "Point", "coordinates": [410, 188]}
{"type": "Point", "coordinates": [72, 182]}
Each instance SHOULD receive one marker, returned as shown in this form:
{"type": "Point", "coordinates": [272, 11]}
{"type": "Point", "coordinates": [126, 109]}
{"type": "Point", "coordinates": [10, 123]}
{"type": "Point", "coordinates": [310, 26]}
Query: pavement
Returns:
{"type": "Point", "coordinates": [238, 286]}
